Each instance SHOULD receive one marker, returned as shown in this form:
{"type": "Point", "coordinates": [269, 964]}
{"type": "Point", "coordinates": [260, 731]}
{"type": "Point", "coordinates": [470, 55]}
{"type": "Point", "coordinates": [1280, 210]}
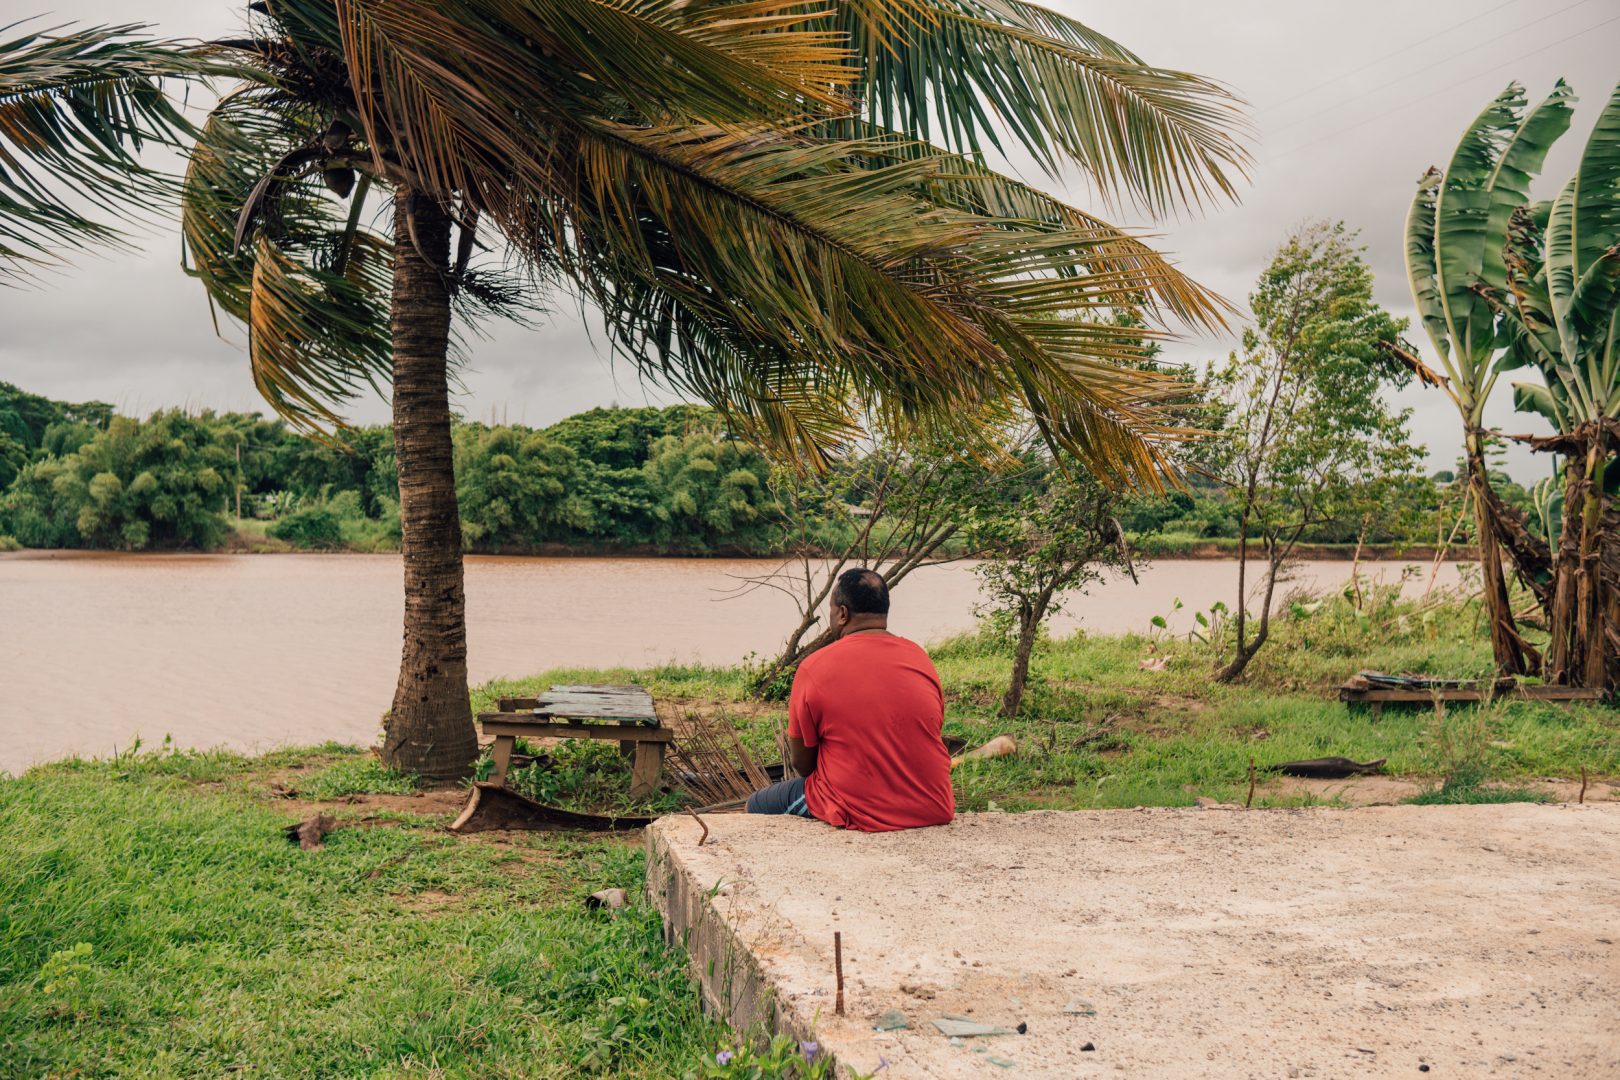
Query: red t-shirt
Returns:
{"type": "Point", "coordinates": [872, 707]}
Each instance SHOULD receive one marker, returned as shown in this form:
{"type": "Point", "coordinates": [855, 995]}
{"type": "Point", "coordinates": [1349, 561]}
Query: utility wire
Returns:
{"type": "Point", "coordinates": [1460, 82]}
{"type": "Point", "coordinates": [1430, 67]}
{"type": "Point", "coordinates": [1450, 29]}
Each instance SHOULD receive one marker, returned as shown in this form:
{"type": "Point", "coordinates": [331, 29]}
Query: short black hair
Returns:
{"type": "Point", "coordinates": [863, 591]}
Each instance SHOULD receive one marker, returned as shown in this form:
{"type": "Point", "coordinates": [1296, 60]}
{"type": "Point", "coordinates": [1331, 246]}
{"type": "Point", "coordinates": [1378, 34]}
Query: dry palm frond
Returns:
{"type": "Point", "coordinates": [710, 762]}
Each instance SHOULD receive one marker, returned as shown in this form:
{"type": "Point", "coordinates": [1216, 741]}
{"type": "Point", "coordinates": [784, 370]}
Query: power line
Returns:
{"type": "Point", "coordinates": [1430, 67]}
{"type": "Point", "coordinates": [1460, 82]}
{"type": "Point", "coordinates": [1451, 29]}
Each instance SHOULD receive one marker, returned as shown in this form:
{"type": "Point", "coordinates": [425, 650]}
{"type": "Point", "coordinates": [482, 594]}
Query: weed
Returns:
{"type": "Point", "coordinates": [363, 775]}
{"type": "Point", "coordinates": [780, 1058]}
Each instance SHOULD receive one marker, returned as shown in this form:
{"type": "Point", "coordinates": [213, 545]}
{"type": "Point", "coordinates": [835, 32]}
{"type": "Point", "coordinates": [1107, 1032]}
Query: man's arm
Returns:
{"type": "Point", "coordinates": [804, 757]}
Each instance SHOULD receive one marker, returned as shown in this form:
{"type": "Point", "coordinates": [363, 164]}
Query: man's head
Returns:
{"type": "Point", "coordinates": [859, 601]}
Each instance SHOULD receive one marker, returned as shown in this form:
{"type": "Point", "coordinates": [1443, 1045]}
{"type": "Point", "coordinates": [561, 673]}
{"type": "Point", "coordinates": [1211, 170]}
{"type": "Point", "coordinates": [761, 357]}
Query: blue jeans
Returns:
{"type": "Point", "coordinates": [786, 797]}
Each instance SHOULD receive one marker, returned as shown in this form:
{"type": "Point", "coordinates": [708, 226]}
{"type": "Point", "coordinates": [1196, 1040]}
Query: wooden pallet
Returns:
{"type": "Point", "coordinates": [1377, 698]}
{"type": "Point", "coordinates": [621, 714]}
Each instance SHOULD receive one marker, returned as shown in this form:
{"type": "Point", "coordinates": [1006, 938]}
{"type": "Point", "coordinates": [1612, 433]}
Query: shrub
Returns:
{"type": "Point", "coordinates": [138, 484]}
{"type": "Point", "coordinates": [313, 528]}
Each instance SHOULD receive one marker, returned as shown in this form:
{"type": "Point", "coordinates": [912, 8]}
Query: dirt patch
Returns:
{"type": "Point", "coordinates": [437, 803]}
{"type": "Point", "coordinates": [1381, 941]}
{"type": "Point", "coordinates": [427, 902]}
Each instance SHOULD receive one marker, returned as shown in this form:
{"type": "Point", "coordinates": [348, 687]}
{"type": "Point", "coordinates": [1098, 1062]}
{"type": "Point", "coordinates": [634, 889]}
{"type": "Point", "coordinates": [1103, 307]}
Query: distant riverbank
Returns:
{"type": "Point", "coordinates": [250, 538]}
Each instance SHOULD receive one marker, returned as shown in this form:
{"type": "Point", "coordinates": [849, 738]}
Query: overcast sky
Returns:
{"type": "Point", "coordinates": [1351, 102]}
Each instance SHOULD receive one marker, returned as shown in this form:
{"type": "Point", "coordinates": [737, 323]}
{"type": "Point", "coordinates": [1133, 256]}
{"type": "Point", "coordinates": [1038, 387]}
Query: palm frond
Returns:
{"type": "Point", "coordinates": [76, 109]}
{"type": "Point", "coordinates": [310, 286]}
{"type": "Point", "coordinates": [500, 59]}
{"type": "Point", "coordinates": [728, 60]}
{"type": "Point", "coordinates": [826, 275]}
{"type": "Point", "coordinates": [962, 71]}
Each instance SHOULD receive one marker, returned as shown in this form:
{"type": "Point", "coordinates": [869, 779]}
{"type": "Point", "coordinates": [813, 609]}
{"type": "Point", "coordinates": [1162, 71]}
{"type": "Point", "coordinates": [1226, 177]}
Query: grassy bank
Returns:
{"type": "Point", "coordinates": [1100, 729]}
{"type": "Point", "coordinates": [155, 921]}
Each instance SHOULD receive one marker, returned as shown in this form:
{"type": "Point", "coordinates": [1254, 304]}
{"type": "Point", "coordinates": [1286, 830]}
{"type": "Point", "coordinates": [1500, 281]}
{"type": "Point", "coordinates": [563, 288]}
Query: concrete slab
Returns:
{"type": "Point", "coordinates": [1475, 940]}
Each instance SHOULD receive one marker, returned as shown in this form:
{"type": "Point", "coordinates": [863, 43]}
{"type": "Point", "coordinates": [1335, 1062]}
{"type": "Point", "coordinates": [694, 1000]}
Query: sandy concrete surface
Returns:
{"type": "Point", "coordinates": [1473, 940]}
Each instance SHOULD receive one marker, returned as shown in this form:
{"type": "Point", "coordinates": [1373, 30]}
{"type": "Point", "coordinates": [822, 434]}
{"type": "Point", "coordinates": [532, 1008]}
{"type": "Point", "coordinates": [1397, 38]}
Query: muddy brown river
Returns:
{"type": "Point", "coordinates": [256, 651]}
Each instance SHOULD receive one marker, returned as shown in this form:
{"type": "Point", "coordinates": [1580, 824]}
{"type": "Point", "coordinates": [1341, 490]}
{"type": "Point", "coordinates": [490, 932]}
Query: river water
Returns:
{"type": "Point", "coordinates": [256, 651]}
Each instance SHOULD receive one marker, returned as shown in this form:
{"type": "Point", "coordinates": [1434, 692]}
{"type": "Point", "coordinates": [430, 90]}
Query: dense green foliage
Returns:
{"type": "Point", "coordinates": [664, 480]}
{"type": "Point", "coordinates": [30, 424]}
{"type": "Point", "coordinates": [648, 479]}
{"type": "Point", "coordinates": [158, 483]}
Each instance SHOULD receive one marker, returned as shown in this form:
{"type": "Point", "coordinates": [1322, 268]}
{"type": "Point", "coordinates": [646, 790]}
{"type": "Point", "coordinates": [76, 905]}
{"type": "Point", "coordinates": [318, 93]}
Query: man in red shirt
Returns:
{"type": "Point", "coordinates": [864, 724]}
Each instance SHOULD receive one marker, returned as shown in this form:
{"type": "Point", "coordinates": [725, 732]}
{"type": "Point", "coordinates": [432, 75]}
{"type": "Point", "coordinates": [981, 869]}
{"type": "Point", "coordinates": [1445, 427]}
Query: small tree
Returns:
{"type": "Point", "coordinates": [1305, 437]}
{"type": "Point", "coordinates": [1053, 535]}
{"type": "Point", "coordinates": [894, 510]}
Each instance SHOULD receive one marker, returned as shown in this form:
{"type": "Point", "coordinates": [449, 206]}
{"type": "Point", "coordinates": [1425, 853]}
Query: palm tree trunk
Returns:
{"type": "Point", "coordinates": [430, 728]}
{"type": "Point", "coordinates": [1505, 642]}
{"type": "Point", "coordinates": [1581, 652]}
{"type": "Point", "coordinates": [1564, 655]}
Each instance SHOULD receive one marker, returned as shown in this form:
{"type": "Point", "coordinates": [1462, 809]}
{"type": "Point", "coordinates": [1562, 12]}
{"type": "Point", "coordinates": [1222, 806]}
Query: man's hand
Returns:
{"type": "Point", "coordinates": [803, 757]}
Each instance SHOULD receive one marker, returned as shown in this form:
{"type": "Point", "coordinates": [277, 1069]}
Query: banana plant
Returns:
{"type": "Point", "coordinates": [1456, 232]}
{"type": "Point", "coordinates": [1560, 315]}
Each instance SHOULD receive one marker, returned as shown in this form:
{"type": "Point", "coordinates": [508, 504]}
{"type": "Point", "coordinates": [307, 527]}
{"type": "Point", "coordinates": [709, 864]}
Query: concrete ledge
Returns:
{"type": "Point", "coordinates": [1476, 940]}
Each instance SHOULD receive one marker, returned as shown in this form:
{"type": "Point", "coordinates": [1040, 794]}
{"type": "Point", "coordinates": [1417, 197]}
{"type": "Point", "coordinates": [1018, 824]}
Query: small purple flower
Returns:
{"type": "Point", "coordinates": [883, 1063]}
{"type": "Point", "coordinates": [723, 1057]}
{"type": "Point", "coordinates": [809, 1050]}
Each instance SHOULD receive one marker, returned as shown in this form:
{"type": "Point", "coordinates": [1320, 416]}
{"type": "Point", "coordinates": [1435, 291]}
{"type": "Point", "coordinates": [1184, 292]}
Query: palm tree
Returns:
{"type": "Point", "coordinates": [781, 209]}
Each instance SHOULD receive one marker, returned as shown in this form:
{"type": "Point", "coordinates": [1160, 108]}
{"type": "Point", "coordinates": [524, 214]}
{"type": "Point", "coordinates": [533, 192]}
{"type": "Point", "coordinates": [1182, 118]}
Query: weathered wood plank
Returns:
{"type": "Point", "coordinates": [518, 724]}
{"type": "Point", "coordinates": [647, 771]}
{"type": "Point", "coordinates": [594, 712]}
{"type": "Point", "coordinates": [547, 711]}
{"type": "Point", "coordinates": [502, 756]}
{"type": "Point", "coordinates": [630, 701]}
{"type": "Point", "coordinates": [623, 703]}
{"type": "Point", "coordinates": [1531, 693]}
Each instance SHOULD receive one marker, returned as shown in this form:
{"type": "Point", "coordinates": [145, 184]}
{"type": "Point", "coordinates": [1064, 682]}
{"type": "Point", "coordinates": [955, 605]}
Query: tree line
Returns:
{"type": "Point", "coordinates": [657, 479]}
{"type": "Point", "coordinates": [668, 480]}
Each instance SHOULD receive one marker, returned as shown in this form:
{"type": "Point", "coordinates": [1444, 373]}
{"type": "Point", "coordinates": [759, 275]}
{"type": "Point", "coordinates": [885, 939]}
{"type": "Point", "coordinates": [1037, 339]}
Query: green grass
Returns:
{"type": "Point", "coordinates": [363, 775]}
{"type": "Point", "coordinates": [155, 922]}
{"type": "Point", "coordinates": [1097, 731]}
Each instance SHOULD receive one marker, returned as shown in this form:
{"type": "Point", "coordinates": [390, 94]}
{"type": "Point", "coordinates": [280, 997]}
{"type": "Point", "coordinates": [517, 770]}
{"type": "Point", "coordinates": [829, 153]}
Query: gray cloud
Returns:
{"type": "Point", "coordinates": [1351, 103]}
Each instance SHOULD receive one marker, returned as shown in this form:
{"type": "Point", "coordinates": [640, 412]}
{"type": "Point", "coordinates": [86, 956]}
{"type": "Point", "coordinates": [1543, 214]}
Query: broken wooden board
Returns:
{"type": "Point", "coordinates": [624, 704]}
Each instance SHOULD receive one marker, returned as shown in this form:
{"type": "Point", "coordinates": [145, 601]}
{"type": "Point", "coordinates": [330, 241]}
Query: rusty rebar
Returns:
{"type": "Point", "coordinates": [838, 971]}
{"type": "Point", "coordinates": [704, 839]}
